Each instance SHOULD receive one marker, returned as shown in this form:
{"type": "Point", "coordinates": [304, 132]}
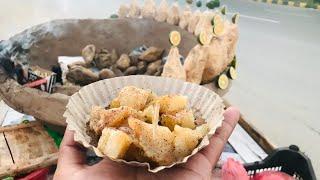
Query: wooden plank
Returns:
{"type": "Point", "coordinates": [245, 146]}
{"type": "Point", "coordinates": [31, 166]}
{"type": "Point", "coordinates": [19, 126]}
{"type": "Point", "coordinates": [257, 136]}
{"type": "Point", "coordinates": [29, 143]}
{"type": "Point", "coordinates": [266, 145]}
{"type": "Point", "coordinates": [5, 156]}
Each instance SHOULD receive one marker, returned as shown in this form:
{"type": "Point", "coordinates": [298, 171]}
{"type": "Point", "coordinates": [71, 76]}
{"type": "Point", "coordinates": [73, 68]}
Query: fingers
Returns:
{"type": "Point", "coordinates": [220, 138]}
{"type": "Point", "coordinates": [70, 154]}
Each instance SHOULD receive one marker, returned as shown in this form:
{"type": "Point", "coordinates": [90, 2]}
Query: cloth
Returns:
{"type": "Point", "coordinates": [9, 116]}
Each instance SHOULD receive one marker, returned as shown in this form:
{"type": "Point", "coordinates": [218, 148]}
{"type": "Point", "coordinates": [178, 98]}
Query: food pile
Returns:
{"type": "Point", "coordinates": [103, 64]}
{"type": "Point", "coordinates": [212, 60]}
{"type": "Point", "coordinates": [139, 125]}
{"type": "Point", "coordinates": [213, 57]}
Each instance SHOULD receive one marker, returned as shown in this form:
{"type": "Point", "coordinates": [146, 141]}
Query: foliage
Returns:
{"type": "Point", "coordinates": [114, 16]}
{"type": "Point", "coordinates": [189, 1]}
{"type": "Point", "coordinates": [213, 4]}
{"type": "Point", "coordinates": [199, 3]}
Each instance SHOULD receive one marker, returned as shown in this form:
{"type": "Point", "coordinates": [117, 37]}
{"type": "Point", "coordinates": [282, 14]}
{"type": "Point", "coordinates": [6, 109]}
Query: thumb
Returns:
{"type": "Point", "coordinates": [70, 153]}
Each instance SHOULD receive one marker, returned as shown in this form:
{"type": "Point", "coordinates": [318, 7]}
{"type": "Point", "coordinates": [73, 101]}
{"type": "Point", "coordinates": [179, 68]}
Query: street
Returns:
{"type": "Point", "coordinates": [278, 88]}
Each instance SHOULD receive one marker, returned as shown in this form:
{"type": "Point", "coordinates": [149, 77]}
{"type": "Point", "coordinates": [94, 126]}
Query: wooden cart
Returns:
{"type": "Point", "coordinates": [25, 147]}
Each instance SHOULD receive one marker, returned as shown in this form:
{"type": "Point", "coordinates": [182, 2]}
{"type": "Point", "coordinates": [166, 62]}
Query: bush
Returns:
{"type": "Point", "coordinates": [213, 4]}
{"type": "Point", "coordinates": [199, 3]}
{"type": "Point", "coordinates": [114, 16]}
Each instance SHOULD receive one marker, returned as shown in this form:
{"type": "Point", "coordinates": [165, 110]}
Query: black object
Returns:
{"type": "Point", "coordinates": [288, 160]}
{"type": "Point", "coordinates": [57, 69]}
{"type": "Point", "coordinates": [19, 74]}
{"type": "Point", "coordinates": [7, 64]}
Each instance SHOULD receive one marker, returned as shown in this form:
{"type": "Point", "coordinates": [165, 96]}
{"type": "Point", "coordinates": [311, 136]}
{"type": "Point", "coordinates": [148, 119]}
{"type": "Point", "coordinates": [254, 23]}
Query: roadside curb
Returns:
{"type": "Point", "coordinates": [290, 3]}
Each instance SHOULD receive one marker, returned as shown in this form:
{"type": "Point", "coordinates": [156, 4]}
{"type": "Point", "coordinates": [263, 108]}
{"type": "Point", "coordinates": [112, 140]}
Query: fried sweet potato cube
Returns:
{"type": "Point", "coordinates": [183, 118]}
{"type": "Point", "coordinates": [187, 139]}
{"type": "Point", "coordinates": [186, 119]}
{"type": "Point", "coordinates": [156, 141]}
{"type": "Point", "coordinates": [151, 113]}
{"type": "Point", "coordinates": [148, 113]}
{"type": "Point", "coordinates": [101, 118]}
{"type": "Point", "coordinates": [115, 103]}
{"type": "Point", "coordinates": [95, 118]}
{"type": "Point", "coordinates": [152, 98]}
{"type": "Point", "coordinates": [114, 143]}
{"type": "Point", "coordinates": [202, 130]}
{"type": "Point", "coordinates": [172, 103]}
{"type": "Point", "coordinates": [169, 121]}
{"type": "Point", "coordinates": [184, 142]}
{"type": "Point", "coordinates": [133, 97]}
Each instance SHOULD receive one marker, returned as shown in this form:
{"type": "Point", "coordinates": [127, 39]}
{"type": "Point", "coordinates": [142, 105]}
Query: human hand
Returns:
{"type": "Point", "coordinates": [71, 162]}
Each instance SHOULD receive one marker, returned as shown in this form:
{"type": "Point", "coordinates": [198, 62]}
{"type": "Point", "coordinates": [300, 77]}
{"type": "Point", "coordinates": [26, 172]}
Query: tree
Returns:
{"type": "Point", "coordinates": [213, 4]}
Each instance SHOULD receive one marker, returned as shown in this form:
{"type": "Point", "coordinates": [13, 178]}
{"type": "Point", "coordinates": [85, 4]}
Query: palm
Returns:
{"type": "Point", "coordinates": [71, 160]}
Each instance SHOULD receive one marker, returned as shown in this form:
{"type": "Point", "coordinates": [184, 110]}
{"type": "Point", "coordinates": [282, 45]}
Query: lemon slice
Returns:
{"type": "Point", "coordinates": [216, 20]}
{"type": "Point", "coordinates": [223, 10]}
{"type": "Point", "coordinates": [25, 121]}
{"type": "Point", "coordinates": [175, 38]}
{"type": "Point", "coordinates": [235, 18]}
{"type": "Point", "coordinates": [234, 62]}
{"type": "Point", "coordinates": [223, 81]}
{"type": "Point", "coordinates": [232, 73]}
{"type": "Point", "coordinates": [205, 37]}
{"type": "Point", "coordinates": [218, 28]}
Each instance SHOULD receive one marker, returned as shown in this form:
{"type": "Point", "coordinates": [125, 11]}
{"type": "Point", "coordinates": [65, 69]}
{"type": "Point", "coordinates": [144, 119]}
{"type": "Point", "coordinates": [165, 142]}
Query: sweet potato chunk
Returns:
{"type": "Point", "coordinates": [133, 97]}
{"type": "Point", "coordinates": [101, 118]}
{"type": "Point", "coordinates": [183, 118]}
{"type": "Point", "coordinates": [114, 143]}
{"type": "Point", "coordinates": [184, 142]}
{"type": "Point", "coordinates": [156, 142]}
{"type": "Point", "coordinates": [172, 103]}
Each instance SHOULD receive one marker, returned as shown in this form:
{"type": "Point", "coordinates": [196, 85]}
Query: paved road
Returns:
{"type": "Point", "coordinates": [278, 86]}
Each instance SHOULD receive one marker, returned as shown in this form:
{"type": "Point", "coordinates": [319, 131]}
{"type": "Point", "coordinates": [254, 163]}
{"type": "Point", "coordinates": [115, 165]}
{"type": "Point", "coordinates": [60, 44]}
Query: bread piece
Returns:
{"type": "Point", "coordinates": [157, 143]}
{"type": "Point", "coordinates": [174, 14]}
{"type": "Point", "coordinates": [114, 143]}
{"type": "Point", "coordinates": [173, 67]}
{"type": "Point", "coordinates": [185, 16]}
{"type": "Point", "coordinates": [195, 63]}
{"type": "Point", "coordinates": [162, 11]}
{"type": "Point", "coordinates": [134, 10]}
{"type": "Point", "coordinates": [148, 10]}
{"type": "Point", "coordinates": [193, 21]}
{"type": "Point", "coordinates": [217, 56]}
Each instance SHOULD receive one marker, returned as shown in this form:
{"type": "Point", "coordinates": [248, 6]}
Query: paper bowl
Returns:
{"type": "Point", "coordinates": [100, 93]}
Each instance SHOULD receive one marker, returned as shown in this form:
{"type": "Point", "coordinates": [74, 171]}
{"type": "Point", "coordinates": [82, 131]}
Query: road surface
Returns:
{"type": "Point", "coordinates": [279, 55]}
{"type": "Point", "coordinates": [278, 86]}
